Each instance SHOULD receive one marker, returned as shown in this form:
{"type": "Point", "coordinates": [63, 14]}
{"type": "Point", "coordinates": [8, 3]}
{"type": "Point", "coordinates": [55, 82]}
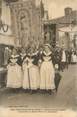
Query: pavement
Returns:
{"type": "Point", "coordinates": [65, 97]}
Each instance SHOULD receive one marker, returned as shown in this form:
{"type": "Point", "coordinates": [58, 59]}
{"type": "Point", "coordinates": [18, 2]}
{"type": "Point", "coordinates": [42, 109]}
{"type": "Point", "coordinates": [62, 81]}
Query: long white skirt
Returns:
{"type": "Point", "coordinates": [74, 59]}
{"type": "Point", "coordinates": [63, 57]}
{"type": "Point", "coordinates": [34, 74]}
{"type": "Point", "coordinates": [47, 76]}
{"type": "Point", "coordinates": [26, 80]}
{"type": "Point", "coordinates": [14, 78]}
{"type": "Point", "coordinates": [31, 77]}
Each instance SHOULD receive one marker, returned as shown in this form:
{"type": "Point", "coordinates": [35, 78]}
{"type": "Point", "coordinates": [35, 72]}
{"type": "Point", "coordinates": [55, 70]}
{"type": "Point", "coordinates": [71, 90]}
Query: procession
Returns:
{"type": "Point", "coordinates": [38, 54]}
{"type": "Point", "coordinates": [32, 70]}
{"type": "Point", "coordinates": [35, 70]}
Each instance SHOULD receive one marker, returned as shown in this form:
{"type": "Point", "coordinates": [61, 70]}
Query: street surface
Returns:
{"type": "Point", "coordinates": [65, 97]}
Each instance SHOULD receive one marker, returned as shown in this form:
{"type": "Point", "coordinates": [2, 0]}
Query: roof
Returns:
{"type": "Point", "coordinates": [64, 19]}
{"type": "Point", "coordinates": [68, 29]}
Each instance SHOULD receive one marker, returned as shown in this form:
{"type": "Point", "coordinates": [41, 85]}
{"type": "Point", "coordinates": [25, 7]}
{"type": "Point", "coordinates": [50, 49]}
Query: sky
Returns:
{"type": "Point", "coordinates": [56, 7]}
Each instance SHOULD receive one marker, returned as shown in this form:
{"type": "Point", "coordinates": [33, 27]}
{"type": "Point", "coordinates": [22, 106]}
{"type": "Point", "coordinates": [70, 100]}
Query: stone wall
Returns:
{"type": "Point", "coordinates": [26, 23]}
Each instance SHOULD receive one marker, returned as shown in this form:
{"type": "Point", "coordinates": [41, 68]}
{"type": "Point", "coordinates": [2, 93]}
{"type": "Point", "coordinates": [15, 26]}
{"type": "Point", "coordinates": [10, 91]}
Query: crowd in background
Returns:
{"type": "Point", "coordinates": [64, 57]}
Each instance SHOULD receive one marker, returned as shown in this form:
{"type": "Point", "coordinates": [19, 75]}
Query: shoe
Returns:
{"type": "Point", "coordinates": [49, 92]}
{"type": "Point", "coordinates": [54, 91]}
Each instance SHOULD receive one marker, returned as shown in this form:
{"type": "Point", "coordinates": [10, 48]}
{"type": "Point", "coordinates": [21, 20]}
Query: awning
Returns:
{"type": "Point", "coordinates": [68, 29]}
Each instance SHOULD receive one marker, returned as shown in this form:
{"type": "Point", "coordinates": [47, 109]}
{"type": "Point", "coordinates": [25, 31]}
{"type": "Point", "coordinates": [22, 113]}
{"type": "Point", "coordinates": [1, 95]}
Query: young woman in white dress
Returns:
{"type": "Point", "coordinates": [63, 59]}
{"type": "Point", "coordinates": [14, 77]}
{"type": "Point", "coordinates": [74, 58]}
{"type": "Point", "coordinates": [34, 72]}
{"type": "Point", "coordinates": [25, 73]}
{"type": "Point", "coordinates": [31, 73]}
{"type": "Point", "coordinates": [47, 73]}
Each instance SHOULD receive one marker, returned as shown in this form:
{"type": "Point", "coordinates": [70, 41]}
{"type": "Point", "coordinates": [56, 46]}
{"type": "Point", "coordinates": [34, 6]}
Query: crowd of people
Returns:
{"type": "Point", "coordinates": [37, 70]}
{"type": "Point", "coordinates": [65, 57]}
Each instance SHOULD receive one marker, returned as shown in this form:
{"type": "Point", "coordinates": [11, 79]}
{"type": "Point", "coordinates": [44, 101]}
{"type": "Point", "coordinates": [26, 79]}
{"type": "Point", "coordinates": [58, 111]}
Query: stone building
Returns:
{"type": "Point", "coordinates": [26, 23]}
{"type": "Point", "coordinates": [6, 37]}
{"type": "Point", "coordinates": [24, 19]}
{"type": "Point", "coordinates": [64, 27]}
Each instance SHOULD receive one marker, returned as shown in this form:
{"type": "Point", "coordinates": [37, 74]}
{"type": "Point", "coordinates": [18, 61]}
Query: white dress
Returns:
{"type": "Point", "coordinates": [31, 75]}
{"type": "Point", "coordinates": [74, 58]}
{"type": "Point", "coordinates": [47, 74]}
{"type": "Point", "coordinates": [25, 74]}
{"type": "Point", "coordinates": [63, 56]}
{"type": "Point", "coordinates": [34, 73]}
{"type": "Point", "coordinates": [14, 77]}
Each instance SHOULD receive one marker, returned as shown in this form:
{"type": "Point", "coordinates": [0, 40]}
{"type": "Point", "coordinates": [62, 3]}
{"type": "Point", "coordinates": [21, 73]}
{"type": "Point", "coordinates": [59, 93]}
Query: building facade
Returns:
{"type": "Point", "coordinates": [64, 28]}
{"type": "Point", "coordinates": [26, 23]}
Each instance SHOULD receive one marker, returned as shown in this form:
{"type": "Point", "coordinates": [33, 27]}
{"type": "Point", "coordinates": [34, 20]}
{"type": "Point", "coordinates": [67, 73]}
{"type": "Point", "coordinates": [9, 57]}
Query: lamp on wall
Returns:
{"type": "Point", "coordinates": [3, 26]}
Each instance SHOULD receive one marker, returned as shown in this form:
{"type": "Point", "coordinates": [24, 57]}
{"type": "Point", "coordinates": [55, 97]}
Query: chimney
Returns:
{"type": "Point", "coordinates": [68, 11]}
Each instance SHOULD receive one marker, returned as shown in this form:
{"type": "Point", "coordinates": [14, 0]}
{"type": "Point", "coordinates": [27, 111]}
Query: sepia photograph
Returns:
{"type": "Point", "coordinates": [38, 55]}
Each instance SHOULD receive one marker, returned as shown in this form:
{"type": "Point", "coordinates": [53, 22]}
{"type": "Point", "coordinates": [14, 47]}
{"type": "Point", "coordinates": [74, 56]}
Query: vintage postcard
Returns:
{"type": "Point", "coordinates": [38, 58]}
